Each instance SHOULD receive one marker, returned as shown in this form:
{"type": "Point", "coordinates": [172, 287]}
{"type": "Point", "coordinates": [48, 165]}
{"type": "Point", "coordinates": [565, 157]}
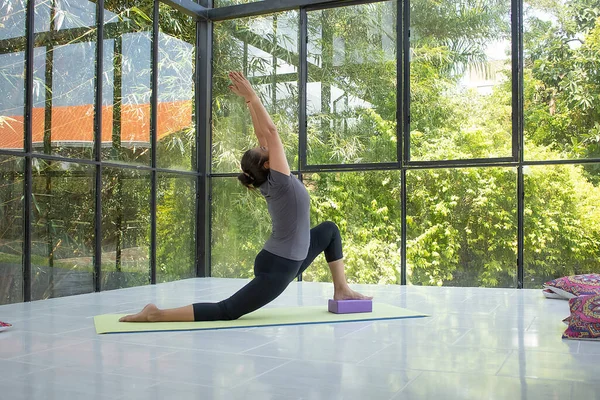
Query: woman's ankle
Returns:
{"type": "Point", "coordinates": [155, 315]}
{"type": "Point", "coordinates": [341, 287]}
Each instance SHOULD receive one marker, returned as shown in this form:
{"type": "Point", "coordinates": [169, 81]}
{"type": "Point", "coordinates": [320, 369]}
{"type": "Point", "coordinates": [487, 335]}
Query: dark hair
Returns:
{"type": "Point", "coordinates": [255, 173]}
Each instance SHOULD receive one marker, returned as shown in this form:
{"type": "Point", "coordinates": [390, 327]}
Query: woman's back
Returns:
{"type": "Point", "coordinates": [289, 206]}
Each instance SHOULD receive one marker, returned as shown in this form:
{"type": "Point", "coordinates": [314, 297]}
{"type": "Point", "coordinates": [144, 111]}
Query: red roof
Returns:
{"type": "Point", "coordinates": [75, 124]}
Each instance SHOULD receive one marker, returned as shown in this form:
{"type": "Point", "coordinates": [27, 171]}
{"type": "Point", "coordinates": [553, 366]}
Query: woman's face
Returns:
{"type": "Point", "coordinates": [263, 150]}
{"type": "Point", "coordinates": [264, 154]}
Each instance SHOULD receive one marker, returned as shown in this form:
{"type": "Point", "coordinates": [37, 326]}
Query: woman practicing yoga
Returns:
{"type": "Point", "coordinates": [292, 246]}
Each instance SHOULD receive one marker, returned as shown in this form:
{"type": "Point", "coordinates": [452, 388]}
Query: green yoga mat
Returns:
{"type": "Point", "coordinates": [109, 323]}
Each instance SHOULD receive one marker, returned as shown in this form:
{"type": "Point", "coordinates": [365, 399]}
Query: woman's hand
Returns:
{"type": "Point", "coordinates": [241, 86]}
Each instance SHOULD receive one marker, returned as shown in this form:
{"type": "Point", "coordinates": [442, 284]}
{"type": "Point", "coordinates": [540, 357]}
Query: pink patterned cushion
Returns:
{"type": "Point", "coordinates": [576, 285]}
{"type": "Point", "coordinates": [4, 326]}
{"type": "Point", "coordinates": [584, 322]}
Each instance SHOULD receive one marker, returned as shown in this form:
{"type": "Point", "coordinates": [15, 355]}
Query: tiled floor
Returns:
{"type": "Point", "coordinates": [477, 344]}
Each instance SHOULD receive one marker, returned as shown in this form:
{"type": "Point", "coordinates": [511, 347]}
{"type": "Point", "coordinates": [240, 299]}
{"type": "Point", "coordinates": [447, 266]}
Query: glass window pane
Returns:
{"type": "Point", "coordinates": [562, 222]}
{"type": "Point", "coordinates": [462, 227]}
{"type": "Point", "coordinates": [62, 224]}
{"type": "Point", "coordinates": [266, 49]}
{"type": "Point", "coordinates": [351, 94]}
{"type": "Point", "coordinates": [175, 227]}
{"type": "Point", "coordinates": [460, 80]}
{"type": "Point", "coordinates": [240, 227]}
{"type": "Point", "coordinates": [125, 228]}
{"type": "Point", "coordinates": [11, 229]}
{"type": "Point", "coordinates": [12, 22]}
{"type": "Point", "coordinates": [64, 84]}
{"type": "Point", "coordinates": [52, 15]}
{"type": "Point", "coordinates": [366, 208]}
{"type": "Point", "coordinates": [126, 85]}
{"type": "Point", "coordinates": [175, 114]}
{"type": "Point", "coordinates": [12, 67]}
{"type": "Point", "coordinates": [562, 81]}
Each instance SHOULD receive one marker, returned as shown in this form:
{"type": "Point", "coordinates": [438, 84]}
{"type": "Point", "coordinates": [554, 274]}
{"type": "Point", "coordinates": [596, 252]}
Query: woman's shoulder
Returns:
{"type": "Point", "coordinates": [279, 176]}
{"type": "Point", "coordinates": [277, 183]}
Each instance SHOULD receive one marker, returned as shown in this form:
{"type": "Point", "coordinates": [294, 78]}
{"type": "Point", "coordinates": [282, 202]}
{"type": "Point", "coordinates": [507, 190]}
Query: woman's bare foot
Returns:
{"type": "Point", "coordinates": [148, 314]}
{"type": "Point", "coordinates": [349, 294]}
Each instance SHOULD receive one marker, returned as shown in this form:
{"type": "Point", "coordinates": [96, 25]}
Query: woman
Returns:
{"type": "Point", "coordinates": [292, 246]}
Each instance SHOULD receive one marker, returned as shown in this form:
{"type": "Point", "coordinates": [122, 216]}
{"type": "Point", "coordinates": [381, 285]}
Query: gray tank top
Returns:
{"type": "Point", "coordinates": [289, 206]}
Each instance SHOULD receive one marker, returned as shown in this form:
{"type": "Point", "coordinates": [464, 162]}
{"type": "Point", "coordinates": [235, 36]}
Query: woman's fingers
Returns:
{"type": "Point", "coordinates": [239, 79]}
{"type": "Point", "coordinates": [238, 76]}
{"type": "Point", "coordinates": [234, 89]}
{"type": "Point", "coordinates": [241, 85]}
{"type": "Point", "coordinates": [235, 77]}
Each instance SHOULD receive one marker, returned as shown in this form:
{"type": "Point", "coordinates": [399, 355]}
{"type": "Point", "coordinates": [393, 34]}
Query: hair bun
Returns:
{"type": "Point", "coordinates": [246, 179]}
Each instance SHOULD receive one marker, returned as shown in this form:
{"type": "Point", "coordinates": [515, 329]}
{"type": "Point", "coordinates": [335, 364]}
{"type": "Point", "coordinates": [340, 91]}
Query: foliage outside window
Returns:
{"type": "Point", "coordinates": [562, 81]}
{"type": "Point", "coordinates": [462, 222]}
{"type": "Point", "coordinates": [62, 229]}
{"type": "Point", "coordinates": [351, 90]}
{"type": "Point", "coordinates": [11, 229]}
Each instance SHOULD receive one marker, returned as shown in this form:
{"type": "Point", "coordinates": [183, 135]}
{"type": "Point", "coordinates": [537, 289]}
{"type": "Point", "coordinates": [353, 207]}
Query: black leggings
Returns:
{"type": "Point", "coordinates": [272, 275]}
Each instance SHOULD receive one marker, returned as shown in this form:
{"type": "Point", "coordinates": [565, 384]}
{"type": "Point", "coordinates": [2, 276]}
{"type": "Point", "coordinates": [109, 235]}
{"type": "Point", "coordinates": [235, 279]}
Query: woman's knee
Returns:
{"type": "Point", "coordinates": [333, 251]}
{"type": "Point", "coordinates": [331, 226]}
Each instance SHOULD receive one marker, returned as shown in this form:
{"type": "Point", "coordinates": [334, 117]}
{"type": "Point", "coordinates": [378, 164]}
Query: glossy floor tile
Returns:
{"type": "Point", "coordinates": [475, 344]}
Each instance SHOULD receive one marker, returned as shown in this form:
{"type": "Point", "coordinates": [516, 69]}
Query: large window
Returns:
{"type": "Point", "coordinates": [240, 226]}
{"type": "Point", "coordinates": [64, 84]}
{"type": "Point", "coordinates": [366, 208]}
{"type": "Point", "coordinates": [176, 132]}
{"type": "Point", "coordinates": [562, 223]}
{"type": "Point", "coordinates": [126, 87]}
{"type": "Point", "coordinates": [351, 91]}
{"type": "Point", "coordinates": [62, 223]}
{"type": "Point", "coordinates": [125, 228]}
{"type": "Point", "coordinates": [175, 227]}
{"type": "Point", "coordinates": [463, 108]}
{"type": "Point", "coordinates": [12, 67]}
{"type": "Point", "coordinates": [462, 227]}
{"type": "Point", "coordinates": [107, 190]}
{"type": "Point", "coordinates": [562, 89]}
{"type": "Point", "coordinates": [266, 50]}
{"type": "Point", "coordinates": [11, 229]}
{"type": "Point", "coordinates": [460, 80]}
{"type": "Point", "coordinates": [411, 124]}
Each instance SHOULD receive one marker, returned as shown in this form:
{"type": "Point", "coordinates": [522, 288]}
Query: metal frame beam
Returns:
{"type": "Point", "coordinates": [273, 6]}
{"type": "Point", "coordinates": [111, 30]}
{"type": "Point", "coordinates": [188, 7]}
{"type": "Point", "coordinates": [27, 189]}
{"type": "Point", "coordinates": [402, 119]}
{"type": "Point", "coordinates": [203, 143]}
{"type": "Point", "coordinates": [303, 90]}
{"type": "Point", "coordinates": [154, 137]}
{"type": "Point", "coordinates": [98, 147]}
{"type": "Point", "coordinates": [518, 130]}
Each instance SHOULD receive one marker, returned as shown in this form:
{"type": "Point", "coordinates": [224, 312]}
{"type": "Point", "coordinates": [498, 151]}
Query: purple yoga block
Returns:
{"type": "Point", "coordinates": [350, 306]}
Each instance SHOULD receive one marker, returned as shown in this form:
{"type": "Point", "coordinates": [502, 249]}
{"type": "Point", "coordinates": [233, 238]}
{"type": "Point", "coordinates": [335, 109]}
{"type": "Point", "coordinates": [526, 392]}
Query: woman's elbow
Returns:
{"type": "Point", "coordinates": [271, 131]}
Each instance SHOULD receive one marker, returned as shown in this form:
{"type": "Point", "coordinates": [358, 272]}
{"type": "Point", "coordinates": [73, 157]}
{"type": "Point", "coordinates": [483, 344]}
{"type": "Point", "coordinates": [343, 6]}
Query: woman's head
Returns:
{"type": "Point", "coordinates": [255, 164]}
